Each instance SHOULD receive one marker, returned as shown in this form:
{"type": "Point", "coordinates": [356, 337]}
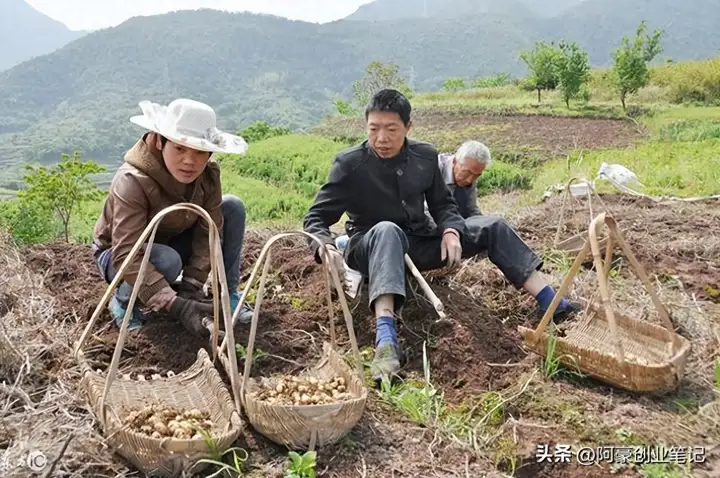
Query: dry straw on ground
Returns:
{"type": "Point", "coordinates": [41, 406]}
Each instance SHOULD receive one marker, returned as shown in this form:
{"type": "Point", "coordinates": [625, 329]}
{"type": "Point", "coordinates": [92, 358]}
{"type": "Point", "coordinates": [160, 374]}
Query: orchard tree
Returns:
{"type": "Point", "coordinates": [630, 67]}
{"type": "Point", "coordinates": [541, 61]}
{"type": "Point", "coordinates": [63, 188]}
{"type": "Point", "coordinates": [572, 69]}
{"type": "Point", "coordinates": [378, 76]}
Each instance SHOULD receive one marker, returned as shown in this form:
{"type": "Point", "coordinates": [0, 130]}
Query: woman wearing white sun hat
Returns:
{"type": "Point", "coordinates": [171, 164]}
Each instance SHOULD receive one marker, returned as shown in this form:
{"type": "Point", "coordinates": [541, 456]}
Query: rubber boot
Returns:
{"type": "Point", "coordinates": [117, 311]}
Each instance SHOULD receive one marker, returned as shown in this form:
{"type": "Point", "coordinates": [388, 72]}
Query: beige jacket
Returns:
{"type": "Point", "coordinates": [140, 189]}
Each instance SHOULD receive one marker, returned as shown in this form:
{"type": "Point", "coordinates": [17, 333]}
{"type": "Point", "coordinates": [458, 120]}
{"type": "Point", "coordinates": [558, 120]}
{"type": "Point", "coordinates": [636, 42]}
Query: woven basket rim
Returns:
{"type": "Point", "coordinates": [353, 401]}
{"type": "Point", "coordinates": [224, 405]}
{"type": "Point", "coordinates": [682, 352]}
{"type": "Point", "coordinates": [598, 310]}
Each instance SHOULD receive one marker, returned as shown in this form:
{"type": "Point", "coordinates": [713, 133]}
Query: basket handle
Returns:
{"type": "Point", "coordinates": [615, 233]}
{"type": "Point", "coordinates": [218, 273]}
{"type": "Point", "coordinates": [566, 194]}
{"type": "Point", "coordinates": [330, 271]}
{"type": "Point", "coordinates": [561, 292]}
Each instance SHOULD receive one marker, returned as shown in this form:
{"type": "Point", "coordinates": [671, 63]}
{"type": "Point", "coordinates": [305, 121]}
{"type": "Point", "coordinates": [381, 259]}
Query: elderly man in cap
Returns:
{"type": "Point", "coordinates": [170, 164]}
{"type": "Point", "coordinates": [382, 184]}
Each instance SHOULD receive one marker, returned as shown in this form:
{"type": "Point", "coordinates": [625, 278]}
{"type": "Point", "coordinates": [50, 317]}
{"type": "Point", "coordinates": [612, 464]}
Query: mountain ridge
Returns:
{"type": "Point", "coordinates": [253, 67]}
{"type": "Point", "coordinates": [30, 32]}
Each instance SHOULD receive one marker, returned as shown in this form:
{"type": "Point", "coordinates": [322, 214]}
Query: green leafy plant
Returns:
{"type": "Point", "coordinates": [234, 469]}
{"type": "Point", "coordinates": [454, 84]}
{"type": "Point", "coordinates": [302, 466]}
{"type": "Point", "coordinates": [501, 79]}
{"type": "Point", "coordinates": [573, 70]}
{"type": "Point", "coordinates": [552, 363]}
{"type": "Point", "coordinates": [261, 130]}
{"type": "Point", "coordinates": [27, 222]}
{"type": "Point", "coordinates": [631, 61]}
{"type": "Point", "coordinates": [541, 62]}
{"type": "Point", "coordinates": [62, 188]}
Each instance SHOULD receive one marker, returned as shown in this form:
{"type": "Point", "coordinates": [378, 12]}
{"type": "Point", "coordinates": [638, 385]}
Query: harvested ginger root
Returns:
{"type": "Point", "coordinates": [159, 422]}
{"type": "Point", "coordinates": [291, 390]}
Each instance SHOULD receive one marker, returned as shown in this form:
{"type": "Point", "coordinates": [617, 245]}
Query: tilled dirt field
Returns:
{"type": "Point", "coordinates": [476, 351]}
{"type": "Point", "coordinates": [551, 135]}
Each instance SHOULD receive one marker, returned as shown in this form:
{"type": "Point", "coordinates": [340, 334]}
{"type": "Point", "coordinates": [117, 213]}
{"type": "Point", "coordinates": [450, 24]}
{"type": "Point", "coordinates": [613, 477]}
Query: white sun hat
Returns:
{"type": "Point", "coordinates": [190, 123]}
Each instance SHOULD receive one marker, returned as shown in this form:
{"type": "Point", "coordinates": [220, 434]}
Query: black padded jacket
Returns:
{"type": "Point", "coordinates": [371, 190]}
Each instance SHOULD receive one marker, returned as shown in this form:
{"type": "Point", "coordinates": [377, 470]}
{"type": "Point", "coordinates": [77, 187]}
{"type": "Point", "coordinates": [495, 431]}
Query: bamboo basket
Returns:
{"type": "Point", "coordinates": [574, 244]}
{"type": "Point", "coordinates": [610, 346]}
{"type": "Point", "coordinates": [198, 387]}
{"type": "Point", "coordinates": [304, 426]}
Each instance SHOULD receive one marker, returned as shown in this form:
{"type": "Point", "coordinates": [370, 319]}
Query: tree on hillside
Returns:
{"type": "Point", "coordinates": [572, 69]}
{"type": "Point", "coordinates": [261, 130]}
{"type": "Point", "coordinates": [62, 188]}
{"type": "Point", "coordinates": [454, 84]}
{"type": "Point", "coordinates": [541, 61]}
{"type": "Point", "coordinates": [379, 75]}
{"type": "Point", "coordinates": [631, 60]}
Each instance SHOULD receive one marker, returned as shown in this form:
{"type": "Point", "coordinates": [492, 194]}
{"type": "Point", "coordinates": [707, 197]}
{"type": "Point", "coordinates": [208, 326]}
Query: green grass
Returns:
{"type": "Point", "coordinates": [683, 169]}
{"type": "Point", "coordinates": [511, 99]}
{"type": "Point", "coordinates": [297, 162]}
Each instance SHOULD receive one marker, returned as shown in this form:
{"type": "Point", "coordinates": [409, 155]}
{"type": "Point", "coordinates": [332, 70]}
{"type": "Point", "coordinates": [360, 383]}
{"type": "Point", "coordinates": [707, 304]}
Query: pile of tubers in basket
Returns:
{"type": "Point", "coordinates": [159, 421]}
{"type": "Point", "coordinates": [291, 390]}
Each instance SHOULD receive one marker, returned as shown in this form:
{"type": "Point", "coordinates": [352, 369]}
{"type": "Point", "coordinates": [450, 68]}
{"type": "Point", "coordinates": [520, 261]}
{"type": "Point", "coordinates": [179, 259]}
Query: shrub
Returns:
{"type": "Point", "coordinates": [503, 177]}
{"type": "Point", "coordinates": [261, 130]}
{"type": "Point", "coordinates": [27, 222]}
{"type": "Point", "coordinates": [692, 81]}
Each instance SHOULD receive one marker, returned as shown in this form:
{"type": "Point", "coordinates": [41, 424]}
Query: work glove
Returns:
{"type": "Point", "coordinates": [195, 316]}
{"type": "Point", "coordinates": [450, 248]}
{"type": "Point", "coordinates": [191, 289]}
{"type": "Point", "coordinates": [337, 259]}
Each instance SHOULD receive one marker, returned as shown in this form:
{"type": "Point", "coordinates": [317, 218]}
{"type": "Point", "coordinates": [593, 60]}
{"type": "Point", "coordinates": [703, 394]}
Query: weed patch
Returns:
{"type": "Point", "coordinates": [503, 177]}
{"type": "Point", "coordinates": [691, 131]}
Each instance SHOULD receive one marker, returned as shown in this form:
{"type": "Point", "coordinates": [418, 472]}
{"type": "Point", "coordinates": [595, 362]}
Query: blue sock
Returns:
{"type": "Point", "coordinates": [385, 332]}
{"type": "Point", "coordinates": [545, 298]}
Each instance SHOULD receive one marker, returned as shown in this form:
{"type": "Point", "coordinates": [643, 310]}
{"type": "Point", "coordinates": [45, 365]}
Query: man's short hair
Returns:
{"type": "Point", "coordinates": [389, 100]}
{"type": "Point", "coordinates": [473, 150]}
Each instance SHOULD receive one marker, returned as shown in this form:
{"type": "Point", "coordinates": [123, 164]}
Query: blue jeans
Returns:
{"type": "Point", "coordinates": [170, 259]}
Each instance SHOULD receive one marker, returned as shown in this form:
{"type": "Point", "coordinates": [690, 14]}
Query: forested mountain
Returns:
{"type": "Point", "coordinates": [26, 33]}
{"type": "Point", "coordinates": [389, 10]}
{"type": "Point", "coordinates": [260, 67]}
{"type": "Point", "coordinates": [383, 10]}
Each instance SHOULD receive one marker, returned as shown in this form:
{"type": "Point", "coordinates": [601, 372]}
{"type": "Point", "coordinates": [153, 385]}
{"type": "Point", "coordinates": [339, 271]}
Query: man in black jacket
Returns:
{"type": "Point", "coordinates": [383, 184]}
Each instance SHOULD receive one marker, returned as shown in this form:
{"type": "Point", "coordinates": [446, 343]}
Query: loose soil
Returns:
{"type": "Point", "coordinates": [478, 349]}
{"type": "Point", "coordinates": [555, 135]}
{"type": "Point", "coordinates": [551, 135]}
{"type": "Point", "coordinates": [670, 239]}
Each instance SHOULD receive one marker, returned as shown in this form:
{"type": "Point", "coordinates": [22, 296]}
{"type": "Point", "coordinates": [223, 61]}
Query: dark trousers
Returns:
{"type": "Point", "coordinates": [379, 254]}
{"type": "Point", "coordinates": [169, 259]}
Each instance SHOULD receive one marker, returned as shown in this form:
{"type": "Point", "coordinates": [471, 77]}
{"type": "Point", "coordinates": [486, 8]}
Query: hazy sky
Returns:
{"type": "Point", "coordinates": [95, 14]}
